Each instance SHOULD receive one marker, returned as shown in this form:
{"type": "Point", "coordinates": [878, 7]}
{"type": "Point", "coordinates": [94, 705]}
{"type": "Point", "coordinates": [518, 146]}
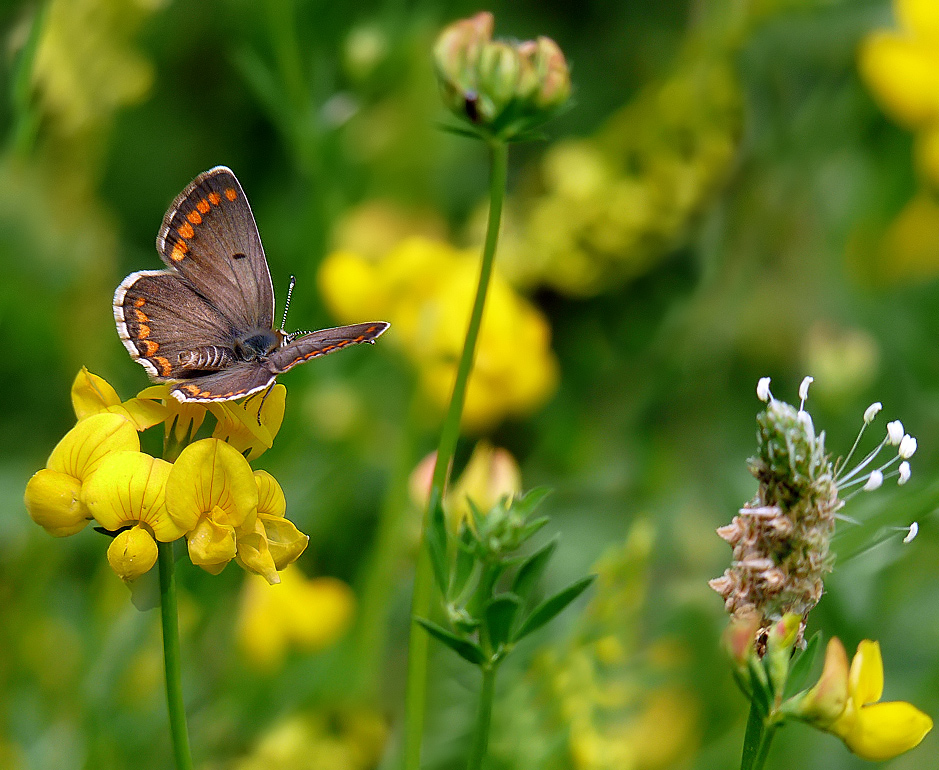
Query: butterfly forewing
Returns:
{"type": "Point", "coordinates": [209, 235]}
{"type": "Point", "coordinates": [323, 342]}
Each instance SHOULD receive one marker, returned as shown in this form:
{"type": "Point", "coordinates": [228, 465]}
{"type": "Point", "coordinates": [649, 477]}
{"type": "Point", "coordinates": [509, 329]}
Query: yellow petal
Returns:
{"type": "Point", "coordinates": [92, 394]}
{"type": "Point", "coordinates": [254, 554]}
{"type": "Point", "coordinates": [271, 500]}
{"type": "Point", "coordinates": [132, 553]}
{"type": "Point", "coordinates": [85, 446]}
{"type": "Point", "coordinates": [239, 426]}
{"type": "Point", "coordinates": [53, 501]}
{"type": "Point", "coordinates": [904, 76]}
{"type": "Point", "coordinates": [208, 476]}
{"type": "Point", "coordinates": [129, 487]}
{"type": "Point", "coordinates": [211, 545]}
{"type": "Point", "coordinates": [866, 680]}
{"type": "Point", "coordinates": [143, 413]}
{"type": "Point", "coordinates": [284, 541]}
{"type": "Point", "coordinates": [884, 730]}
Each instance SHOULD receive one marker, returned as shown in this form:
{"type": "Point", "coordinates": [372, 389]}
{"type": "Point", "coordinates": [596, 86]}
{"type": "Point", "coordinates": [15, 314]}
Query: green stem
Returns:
{"type": "Point", "coordinates": [757, 740]}
{"type": "Point", "coordinates": [450, 432]}
{"type": "Point", "coordinates": [171, 658]}
{"type": "Point", "coordinates": [483, 719]}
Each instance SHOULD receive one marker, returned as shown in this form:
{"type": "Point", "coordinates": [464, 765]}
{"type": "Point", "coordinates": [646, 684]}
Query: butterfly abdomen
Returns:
{"type": "Point", "coordinates": [211, 358]}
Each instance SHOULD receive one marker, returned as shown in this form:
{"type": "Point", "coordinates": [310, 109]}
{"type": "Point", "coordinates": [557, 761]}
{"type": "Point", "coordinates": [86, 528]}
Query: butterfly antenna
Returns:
{"type": "Point", "coordinates": [293, 282]}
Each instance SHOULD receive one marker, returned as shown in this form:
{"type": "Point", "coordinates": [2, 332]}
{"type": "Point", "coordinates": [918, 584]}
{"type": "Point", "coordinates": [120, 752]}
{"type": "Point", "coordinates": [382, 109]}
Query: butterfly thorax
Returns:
{"type": "Point", "coordinates": [258, 343]}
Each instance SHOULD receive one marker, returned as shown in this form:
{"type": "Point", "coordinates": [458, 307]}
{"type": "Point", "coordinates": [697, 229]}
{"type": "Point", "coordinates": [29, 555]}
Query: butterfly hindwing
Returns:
{"type": "Point", "coordinates": [241, 379]}
{"type": "Point", "coordinates": [159, 316]}
{"type": "Point", "coordinates": [323, 342]}
{"type": "Point", "coordinates": [209, 235]}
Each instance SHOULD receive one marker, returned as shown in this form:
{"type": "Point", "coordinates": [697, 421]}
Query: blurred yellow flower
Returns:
{"type": "Point", "coordinates": [128, 491]}
{"type": "Point", "coordinates": [92, 394]}
{"type": "Point", "coordinates": [874, 730]}
{"type": "Point", "coordinates": [54, 495]}
{"type": "Point", "coordinates": [901, 68]}
{"type": "Point", "coordinates": [211, 492]}
{"type": "Point", "coordinates": [307, 614]}
{"type": "Point", "coordinates": [426, 288]}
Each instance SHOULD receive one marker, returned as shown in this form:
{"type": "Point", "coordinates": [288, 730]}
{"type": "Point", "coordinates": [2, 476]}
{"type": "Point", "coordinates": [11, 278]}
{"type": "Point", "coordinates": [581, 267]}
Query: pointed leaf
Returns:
{"type": "Point", "coordinates": [552, 607]}
{"type": "Point", "coordinates": [532, 527]}
{"type": "Point", "coordinates": [500, 613]}
{"type": "Point", "coordinates": [437, 544]}
{"type": "Point", "coordinates": [803, 665]}
{"type": "Point", "coordinates": [531, 500]}
{"type": "Point", "coordinates": [532, 569]}
{"type": "Point", "coordinates": [465, 648]}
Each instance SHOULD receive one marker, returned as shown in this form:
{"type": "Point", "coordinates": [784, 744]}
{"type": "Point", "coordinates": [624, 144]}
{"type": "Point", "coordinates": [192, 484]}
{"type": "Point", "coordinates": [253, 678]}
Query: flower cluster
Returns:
{"type": "Point", "coordinates": [207, 494]}
{"type": "Point", "coordinates": [604, 210]}
{"type": "Point", "coordinates": [426, 288]}
{"type": "Point", "coordinates": [781, 538]}
{"type": "Point", "coordinates": [503, 88]}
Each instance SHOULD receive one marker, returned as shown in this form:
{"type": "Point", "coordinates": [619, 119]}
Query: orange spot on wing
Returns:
{"type": "Point", "coordinates": [215, 198]}
{"type": "Point", "coordinates": [143, 332]}
{"type": "Point", "coordinates": [230, 193]}
{"type": "Point", "coordinates": [203, 206]}
{"type": "Point", "coordinates": [178, 254]}
{"type": "Point", "coordinates": [192, 390]}
{"type": "Point", "coordinates": [139, 302]}
{"type": "Point", "coordinates": [140, 315]}
{"type": "Point", "coordinates": [149, 347]}
{"type": "Point", "coordinates": [186, 230]}
{"type": "Point", "coordinates": [164, 365]}
{"type": "Point", "coordinates": [195, 217]}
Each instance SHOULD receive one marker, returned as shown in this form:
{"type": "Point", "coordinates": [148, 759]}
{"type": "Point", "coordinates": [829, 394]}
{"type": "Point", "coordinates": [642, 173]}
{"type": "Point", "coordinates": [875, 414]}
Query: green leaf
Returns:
{"type": "Point", "coordinates": [532, 527]}
{"type": "Point", "coordinates": [550, 608]}
{"type": "Point", "coordinates": [527, 503]}
{"type": "Point", "coordinates": [437, 544]}
{"type": "Point", "coordinates": [465, 648]}
{"type": "Point", "coordinates": [500, 614]}
{"type": "Point", "coordinates": [532, 569]}
{"type": "Point", "coordinates": [462, 571]}
{"type": "Point", "coordinates": [800, 669]}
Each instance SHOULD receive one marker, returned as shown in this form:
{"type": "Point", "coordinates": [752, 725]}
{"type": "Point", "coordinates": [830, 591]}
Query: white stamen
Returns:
{"type": "Point", "coordinates": [874, 481]}
{"type": "Point", "coordinates": [894, 432]}
{"type": "Point", "coordinates": [871, 412]}
{"type": "Point", "coordinates": [914, 530]}
{"type": "Point", "coordinates": [904, 471]}
{"type": "Point", "coordinates": [907, 447]}
{"type": "Point", "coordinates": [805, 420]}
{"type": "Point", "coordinates": [762, 390]}
{"type": "Point", "coordinates": [804, 391]}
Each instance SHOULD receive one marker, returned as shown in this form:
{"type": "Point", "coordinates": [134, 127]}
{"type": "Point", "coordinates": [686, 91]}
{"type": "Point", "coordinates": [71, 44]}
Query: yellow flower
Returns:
{"type": "Point", "coordinates": [268, 542]}
{"type": "Point", "coordinates": [210, 493]}
{"type": "Point", "coordinates": [308, 614]}
{"type": "Point", "coordinates": [54, 495]}
{"type": "Point", "coordinates": [872, 730]}
{"type": "Point", "coordinates": [239, 426]}
{"type": "Point", "coordinates": [426, 289]}
{"type": "Point", "coordinates": [92, 394]}
{"type": "Point", "coordinates": [127, 492]}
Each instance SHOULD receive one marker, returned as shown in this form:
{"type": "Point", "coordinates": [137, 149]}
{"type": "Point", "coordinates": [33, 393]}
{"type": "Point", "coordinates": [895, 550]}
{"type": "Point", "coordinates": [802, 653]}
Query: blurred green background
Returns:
{"type": "Point", "coordinates": [726, 200]}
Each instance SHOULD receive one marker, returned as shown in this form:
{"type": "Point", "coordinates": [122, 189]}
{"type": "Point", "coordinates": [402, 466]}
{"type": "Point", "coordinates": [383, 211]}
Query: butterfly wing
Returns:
{"type": "Point", "coordinates": [159, 316]}
{"type": "Point", "coordinates": [323, 342]}
{"type": "Point", "coordinates": [241, 379]}
{"type": "Point", "coordinates": [209, 235]}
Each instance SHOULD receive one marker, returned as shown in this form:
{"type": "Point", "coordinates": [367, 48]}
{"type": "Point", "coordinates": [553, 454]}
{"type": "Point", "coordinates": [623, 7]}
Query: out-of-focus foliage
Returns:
{"type": "Point", "coordinates": [736, 192]}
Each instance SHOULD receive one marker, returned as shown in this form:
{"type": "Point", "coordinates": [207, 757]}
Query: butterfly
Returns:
{"type": "Point", "coordinates": [207, 322]}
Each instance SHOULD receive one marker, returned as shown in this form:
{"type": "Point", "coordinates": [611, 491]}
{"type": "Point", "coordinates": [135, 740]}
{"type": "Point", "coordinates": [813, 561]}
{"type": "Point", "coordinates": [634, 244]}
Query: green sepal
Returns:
{"type": "Point", "coordinates": [465, 561]}
{"type": "Point", "coordinates": [550, 608]}
{"type": "Point", "coordinates": [531, 570]}
{"type": "Point", "coordinates": [437, 544]}
{"type": "Point", "coordinates": [466, 649]}
{"type": "Point", "coordinates": [760, 690]}
{"type": "Point", "coordinates": [500, 613]}
{"type": "Point", "coordinates": [802, 665]}
{"type": "Point", "coordinates": [531, 528]}
{"type": "Point", "coordinates": [527, 503]}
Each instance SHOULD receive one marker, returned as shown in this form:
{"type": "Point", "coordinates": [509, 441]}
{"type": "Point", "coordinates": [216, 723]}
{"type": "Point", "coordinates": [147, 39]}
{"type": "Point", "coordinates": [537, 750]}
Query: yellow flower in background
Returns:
{"type": "Point", "coordinates": [211, 492]}
{"type": "Point", "coordinates": [426, 289]}
{"type": "Point", "coordinates": [306, 614]}
{"type": "Point", "coordinates": [874, 730]}
{"type": "Point", "coordinates": [128, 490]}
{"type": "Point", "coordinates": [92, 394]}
{"type": "Point", "coordinates": [901, 68]}
{"type": "Point", "coordinates": [491, 474]}
{"type": "Point", "coordinates": [54, 495]}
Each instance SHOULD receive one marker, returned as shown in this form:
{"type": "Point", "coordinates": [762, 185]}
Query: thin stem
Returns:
{"type": "Point", "coordinates": [450, 432]}
{"type": "Point", "coordinates": [483, 719]}
{"type": "Point", "coordinates": [171, 658]}
{"type": "Point", "coordinates": [757, 740]}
